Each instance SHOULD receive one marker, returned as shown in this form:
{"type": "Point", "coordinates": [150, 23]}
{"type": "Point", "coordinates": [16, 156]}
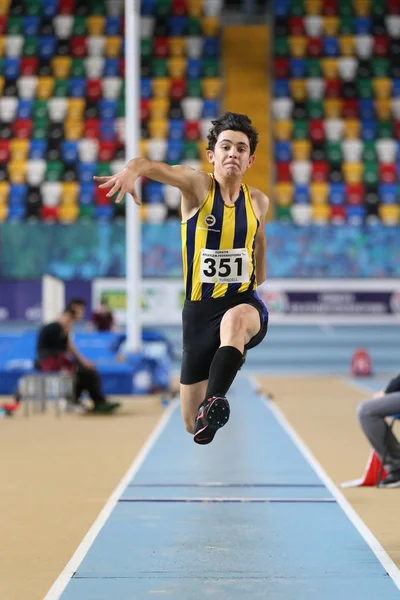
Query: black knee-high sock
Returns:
{"type": "Point", "coordinates": [225, 365]}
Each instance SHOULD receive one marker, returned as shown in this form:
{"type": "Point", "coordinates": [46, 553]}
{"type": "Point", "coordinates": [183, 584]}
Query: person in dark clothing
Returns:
{"type": "Point", "coordinates": [54, 347]}
{"type": "Point", "coordinates": [371, 415]}
{"type": "Point", "coordinates": [102, 318]}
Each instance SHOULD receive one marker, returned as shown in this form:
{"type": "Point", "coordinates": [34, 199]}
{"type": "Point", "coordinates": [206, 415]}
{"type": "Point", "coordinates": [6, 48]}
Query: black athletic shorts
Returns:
{"type": "Point", "coordinates": [201, 339]}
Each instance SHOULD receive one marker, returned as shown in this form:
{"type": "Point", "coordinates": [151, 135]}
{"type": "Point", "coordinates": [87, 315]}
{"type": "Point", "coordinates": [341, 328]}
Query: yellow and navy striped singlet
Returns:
{"type": "Point", "coordinates": [218, 246]}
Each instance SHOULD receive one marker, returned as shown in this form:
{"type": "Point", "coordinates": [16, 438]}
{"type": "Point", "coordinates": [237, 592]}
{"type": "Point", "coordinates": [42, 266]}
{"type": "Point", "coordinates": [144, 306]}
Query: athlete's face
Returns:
{"type": "Point", "coordinates": [231, 156]}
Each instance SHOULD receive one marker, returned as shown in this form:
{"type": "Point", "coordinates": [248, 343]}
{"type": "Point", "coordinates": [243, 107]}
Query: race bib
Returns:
{"type": "Point", "coordinates": [224, 266]}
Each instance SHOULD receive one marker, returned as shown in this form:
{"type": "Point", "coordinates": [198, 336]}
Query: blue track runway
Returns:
{"type": "Point", "coordinates": [247, 517]}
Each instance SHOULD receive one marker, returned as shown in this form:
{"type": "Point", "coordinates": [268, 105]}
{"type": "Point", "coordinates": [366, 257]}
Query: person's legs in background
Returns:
{"type": "Point", "coordinates": [89, 380]}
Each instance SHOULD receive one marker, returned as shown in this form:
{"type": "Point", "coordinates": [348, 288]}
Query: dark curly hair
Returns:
{"type": "Point", "coordinates": [234, 122]}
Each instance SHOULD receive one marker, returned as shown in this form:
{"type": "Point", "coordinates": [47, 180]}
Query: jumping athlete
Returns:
{"type": "Point", "coordinates": [224, 258]}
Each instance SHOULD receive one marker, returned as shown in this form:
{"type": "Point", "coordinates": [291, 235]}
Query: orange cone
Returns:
{"type": "Point", "coordinates": [371, 474]}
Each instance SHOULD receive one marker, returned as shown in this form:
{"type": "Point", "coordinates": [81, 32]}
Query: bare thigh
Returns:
{"type": "Point", "coordinates": [191, 397]}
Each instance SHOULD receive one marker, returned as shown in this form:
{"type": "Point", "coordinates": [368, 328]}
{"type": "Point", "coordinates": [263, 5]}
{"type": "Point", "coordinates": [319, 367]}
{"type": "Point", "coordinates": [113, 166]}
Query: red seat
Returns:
{"type": "Point", "coordinates": [388, 173]}
{"type": "Point", "coordinates": [106, 151]}
{"type": "Point", "coordinates": [317, 130]}
{"type": "Point", "coordinates": [91, 129]}
{"type": "Point", "coordinates": [333, 88]}
{"type": "Point", "coordinates": [122, 67]}
{"type": "Point", "coordinates": [101, 197]}
{"type": "Point", "coordinates": [283, 171]}
{"type": "Point", "coordinates": [192, 130]}
{"type": "Point", "coordinates": [179, 8]}
{"type": "Point", "coordinates": [320, 171]}
{"type": "Point", "coordinates": [329, 8]}
{"type": "Point", "coordinates": [3, 24]}
{"type": "Point", "coordinates": [4, 151]}
{"type": "Point", "coordinates": [178, 89]}
{"type": "Point", "coordinates": [350, 108]}
{"type": "Point", "coordinates": [66, 7]}
{"type": "Point", "coordinates": [78, 46]}
{"type": "Point", "coordinates": [381, 45]}
{"type": "Point", "coordinates": [161, 47]}
{"type": "Point", "coordinates": [49, 213]}
{"type": "Point", "coordinates": [315, 47]}
{"type": "Point", "coordinates": [393, 7]}
{"type": "Point", "coordinates": [355, 193]}
{"type": "Point", "coordinates": [281, 68]}
{"type": "Point", "coordinates": [144, 109]}
{"type": "Point", "coordinates": [296, 26]}
{"type": "Point", "coordinates": [29, 65]}
{"type": "Point", "coordinates": [397, 129]}
{"type": "Point", "coordinates": [338, 213]}
{"type": "Point", "coordinates": [22, 128]}
{"type": "Point", "coordinates": [93, 90]}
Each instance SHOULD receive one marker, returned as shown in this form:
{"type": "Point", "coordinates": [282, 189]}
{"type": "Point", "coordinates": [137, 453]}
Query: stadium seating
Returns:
{"type": "Point", "coordinates": [62, 101]}
{"type": "Point", "coordinates": [336, 110]}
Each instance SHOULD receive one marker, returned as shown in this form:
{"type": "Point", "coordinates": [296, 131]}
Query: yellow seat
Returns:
{"type": "Point", "coordinates": [210, 26]}
{"type": "Point", "coordinates": [2, 45]}
{"type": "Point", "coordinates": [73, 129]}
{"type": "Point", "coordinates": [4, 188]}
{"type": "Point", "coordinates": [45, 88]}
{"type": "Point", "coordinates": [17, 171]}
{"type": "Point", "coordinates": [3, 212]}
{"type": "Point", "coordinates": [159, 108]}
{"type": "Point", "coordinates": [195, 8]}
{"type": "Point", "coordinates": [298, 45]}
{"type": "Point", "coordinates": [177, 67]}
{"type": "Point", "coordinates": [329, 68]}
{"type": "Point", "coordinates": [19, 148]}
{"type": "Point", "coordinates": [202, 148]}
{"type": "Point", "coordinates": [68, 213]}
{"type": "Point", "coordinates": [161, 87]}
{"type": "Point", "coordinates": [206, 166]}
{"type": "Point", "coordinates": [382, 87]}
{"type": "Point", "coordinates": [143, 148]}
{"type": "Point", "coordinates": [383, 108]}
{"type": "Point", "coordinates": [61, 66]}
{"type": "Point", "coordinates": [313, 7]}
{"type": "Point", "coordinates": [283, 130]}
{"type": "Point", "coordinates": [211, 87]}
{"type": "Point", "coordinates": [158, 128]}
{"type": "Point", "coordinates": [353, 172]}
{"type": "Point", "coordinates": [330, 26]}
{"type": "Point", "coordinates": [284, 194]}
{"type": "Point", "coordinates": [347, 45]}
{"type": "Point", "coordinates": [321, 212]}
{"type": "Point", "coordinates": [177, 46]}
{"type": "Point", "coordinates": [301, 149]}
{"type": "Point", "coordinates": [352, 129]}
{"type": "Point", "coordinates": [69, 192]}
{"type": "Point", "coordinates": [319, 192]}
{"type": "Point", "coordinates": [298, 89]}
{"type": "Point", "coordinates": [113, 46]}
{"type": "Point", "coordinates": [389, 213]}
{"type": "Point", "coordinates": [1, 85]}
{"type": "Point", "coordinates": [95, 25]}
{"type": "Point", "coordinates": [362, 8]}
{"type": "Point", "coordinates": [75, 108]}
{"type": "Point", "coordinates": [333, 108]}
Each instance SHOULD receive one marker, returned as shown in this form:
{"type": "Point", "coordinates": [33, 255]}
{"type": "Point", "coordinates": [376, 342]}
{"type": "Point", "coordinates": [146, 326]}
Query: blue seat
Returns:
{"type": "Point", "coordinates": [77, 87]}
{"type": "Point", "coordinates": [174, 151]}
{"type": "Point", "coordinates": [145, 88]}
{"type": "Point", "coordinates": [38, 149]}
{"type": "Point", "coordinates": [194, 68]}
{"type": "Point", "coordinates": [17, 194]}
{"type": "Point", "coordinates": [176, 25]}
{"type": "Point", "coordinates": [103, 213]}
{"type": "Point", "coordinates": [366, 108]}
{"type": "Point", "coordinates": [283, 151]}
{"type": "Point", "coordinates": [107, 130]}
{"type": "Point", "coordinates": [30, 26]}
{"type": "Point", "coordinates": [154, 192]}
{"type": "Point", "coordinates": [395, 88]}
{"type": "Point", "coordinates": [211, 109]}
{"type": "Point", "coordinates": [281, 88]}
{"type": "Point", "coordinates": [369, 129]}
{"type": "Point", "coordinates": [281, 8]}
{"type": "Point", "coordinates": [108, 109]}
{"type": "Point", "coordinates": [111, 67]}
{"type": "Point", "coordinates": [211, 47]}
{"type": "Point", "coordinates": [148, 7]}
{"type": "Point", "coordinates": [112, 26]}
{"type": "Point", "coordinates": [298, 67]}
{"type": "Point", "coordinates": [87, 193]}
{"type": "Point", "coordinates": [69, 151]}
{"type": "Point", "coordinates": [331, 46]}
{"type": "Point", "coordinates": [301, 194]}
{"type": "Point", "coordinates": [86, 172]}
{"type": "Point", "coordinates": [24, 109]}
{"type": "Point", "coordinates": [11, 68]}
{"type": "Point", "coordinates": [337, 194]}
{"type": "Point", "coordinates": [47, 46]}
{"type": "Point", "coordinates": [388, 193]}
{"type": "Point", "coordinates": [362, 25]}
{"type": "Point", "coordinates": [176, 129]}
{"type": "Point", "coordinates": [49, 8]}
{"type": "Point", "coordinates": [355, 212]}
{"type": "Point", "coordinates": [16, 212]}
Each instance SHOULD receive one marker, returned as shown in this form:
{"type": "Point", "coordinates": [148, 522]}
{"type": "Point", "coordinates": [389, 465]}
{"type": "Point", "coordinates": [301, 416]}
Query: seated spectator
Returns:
{"type": "Point", "coordinates": [371, 415]}
{"type": "Point", "coordinates": [54, 347]}
{"type": "Point", "coordinates": [102, 317]}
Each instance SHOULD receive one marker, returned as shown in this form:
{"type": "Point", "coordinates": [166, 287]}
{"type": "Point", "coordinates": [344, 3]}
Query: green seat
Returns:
{"type": "Point", "coordinates": [103, 169]}
{"type": "Point", "coordinates": [86, 212]}
{"type": "Point", "coordinates": [371, 172]}
{"type": "Point", "coordinates": [194, 88]}
{"type": "Point", "coordinates": [30, 46]}
{"type": "Point", "coordinates": [380, 67]}
{"type": "Point", "coordinates": [300, 129]}
{"type": "Point", "coordinates": [190, 151]}
{"type": "Point", "coordinates": [194, 26]}
{"type": "Point", "coordinates": [159, 67]}
{"type": "Point", "coordinates": [61, 88]}
{"type": "Point", "coordinates": [369, 151]}
{"type": "Point", "coordinates": [315, 109]}
{"type": "Point", "coordinates": [33, 7]}
{"type": "Point", "coordinates": [297, 8]}
{"type": "Point", "coordinates": [14, 25]}
{"type": "Point", "coordinates": [98, 7]}
{"type": "Point", "coordinates": [364, 88]}
{"type": "Point", "coordinates": [346, 25]}
{"type": "Point", "coordinates": [146, 47]}
{"type": "Point", "coordinates": [378, 8]}
{"type": "Point", "coordinates": [79, 26]}
{"type": "Point", "coordinates": [163, 8]}
{"type": "Point", "coordinates": [333, 152]}
{"type": "Point", "coordinates": [54, 170]}
{"type": "Point", "coordinates": [283, 213]}
{"type": "Point", "coordinates": [78, 68]}
{"type": "Point", "coordinates": [121, 107]}
{"type": "Point", "coordinates": [345, 8]}
{"type": "Point", "coordinates": [385, 129]}
{"type": "Point", "coordinates": [210, 67]}
{"type": "Point", "coordinates": [314, 67]}
{"type": "Point", "coordinates": [281, 45]}
{"type": "Point", "coordinates": [40, 109]}
{"type": "Point", "coordinates": [40, 128]}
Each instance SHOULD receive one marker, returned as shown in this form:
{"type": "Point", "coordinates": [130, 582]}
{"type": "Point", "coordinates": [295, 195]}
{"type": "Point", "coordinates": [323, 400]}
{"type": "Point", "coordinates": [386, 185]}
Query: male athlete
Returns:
{"type": "Point", "coordinates": [224, 258]}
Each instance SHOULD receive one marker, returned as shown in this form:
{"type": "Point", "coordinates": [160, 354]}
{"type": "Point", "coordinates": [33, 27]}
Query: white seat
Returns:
{"type": "Point", "coordinates": [8, 109]}
{"type": "Point", "coordinates": [27, 85]}
{"type": "Point", "coordinates": [205, 126]}
{"type": "Point", "coordinates": [63, 26]}
{"type": "Point", "coordinates": [352, 150]}
{"type": "Point", "coordinates": [88, 150]}
{"type": "Point", "coordinates": [396, 107]}
{"type": "Point", "coordinates": [393, 25]}
{"type": "Point", "coordinates": [172, 197]}
{"type": "Point", "coordinates": [96, 45]}
{"type": "Point", "coordinates": [313, 25]}
{"type": "Point", "coordinates": [315, 88]}
{"type": "Point", "coordinates": [282, 108]}
{"type": "Point", "coordinates": [116, 166]}
{"type": "Point", "coordinates": [194, 46]}
{"type": "Point", "coordinates": [333, 129]}
{"type": "Point", "coordinates": [386, 150]}
{"type": "Point", "coordinates": [120, 128]}
{"type": "Point", "coordinates": [14, 44]}
{"type": "Point", "coordinates": [348, 68]}
{"type": "Point", "coordinates": [301, 171]}
{"type": "Point", "coordinates": [157, 149]}
{"type": "Point", "coordinates": [57, 109]}
{"type": "Point", "coordinates": [51, 193]}
{"type": "Point", "coordinates": [35, 172]}
{"type": "Point", "coordinates": [115, 7]}
{"type": "Point", "coordinates": [193, 164]}
{"type": "Point", "coordinates": [363, 46]}
{"type": "Point", "coordinates": [192, 108]}
{"type": "Point", "coordinates": [156, 213]}
{"type": "Point", "coordinates": [212, 8]}
{"type": "Point", "coordinates": [111, 87]}
{"type": "Point", "coordinates": [301, 214]}
{"type": "Point", "coordinates": [94, 67]}
{"type": "Point", "coordinates": [146, 27]}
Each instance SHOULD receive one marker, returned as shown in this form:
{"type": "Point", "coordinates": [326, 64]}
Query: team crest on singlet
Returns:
{"type": "Point", "coordinates": [209, 220]}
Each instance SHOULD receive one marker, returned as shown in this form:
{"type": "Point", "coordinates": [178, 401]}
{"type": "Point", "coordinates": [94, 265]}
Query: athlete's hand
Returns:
{"type": "Point", "coordinates": [122, 182]}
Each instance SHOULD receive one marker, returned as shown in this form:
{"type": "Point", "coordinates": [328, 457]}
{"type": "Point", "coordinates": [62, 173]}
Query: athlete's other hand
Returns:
{"type": "Point", "coordinates": [122, 182]}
